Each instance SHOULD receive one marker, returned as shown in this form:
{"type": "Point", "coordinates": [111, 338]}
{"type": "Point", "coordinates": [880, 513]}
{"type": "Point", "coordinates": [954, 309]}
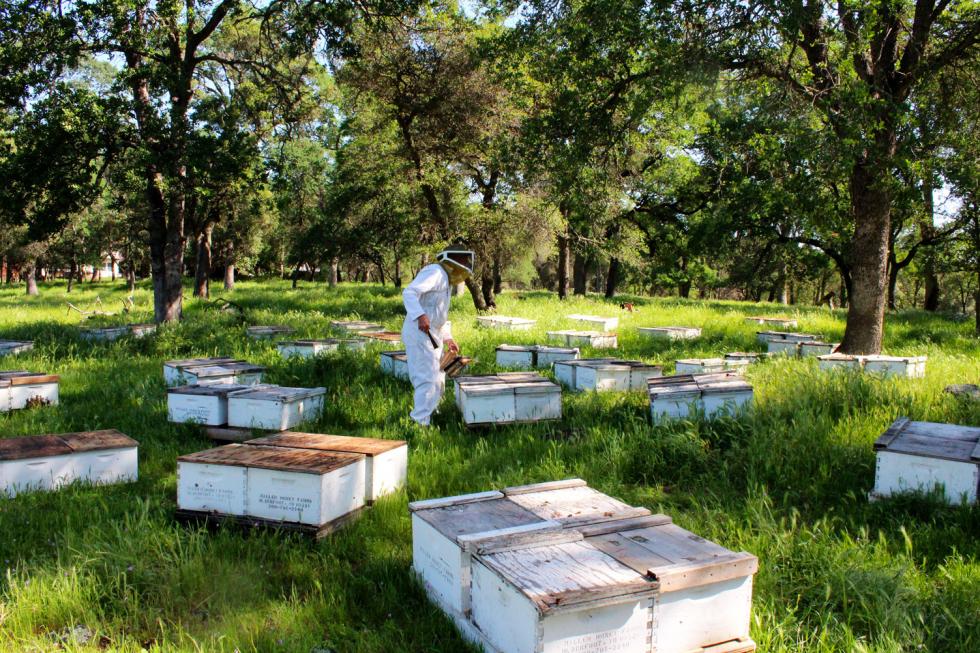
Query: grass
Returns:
{"type": "Point", "coordinates": [88, 569]}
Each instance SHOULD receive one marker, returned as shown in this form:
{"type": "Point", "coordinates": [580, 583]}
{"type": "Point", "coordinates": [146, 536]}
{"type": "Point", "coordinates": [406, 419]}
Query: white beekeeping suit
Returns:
{"type": "Point", "coordinates": [428, 295]}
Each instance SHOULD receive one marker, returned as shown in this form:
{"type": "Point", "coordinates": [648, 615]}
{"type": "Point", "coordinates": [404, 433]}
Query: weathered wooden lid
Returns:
{"type": "Point", "coordinates": [111, 329]}
{"type": "Point", "coordinates": [746, 355]}
{"type": "Point", "coordinates": [98, 440]}
{"type": "Point", "coordinates": [517, 348]}
{"type": "Point", "coordinates": [323, 442]}
{"type": "Point", "coordinates": [269, 329]}
{"type": "Point", "coordinates": [705, 362]}
{"type": "Point", "coordinates": [880, 358]}
{"type": "Point", "coordinates": [20, 377]}
{"type": "Point", "coordinates": [504, 377]}
{"type": "Point", "coordinates": [356, 325]}
{"type": "Point", "coordinates": [397, 355]}
{"type": "Point", "coordinates": [14, 344]}
{"type": "Point", "coordinates": [224, 369]}
{"type": "Point", "coordinates": [931, 440]}
{"type": "Point", "coordinates": [200, 362]}
{"type": "Point", "coordinates": [309, 342]}
{"type": "Point", "coordinates": [33, 446]}
{"type": "Point", "coordinates": [839, 357]}
{"type": "Point", "coordinates": [472, 513]}
{"type": "Point", "coordinates": [581, 334]}
{"type": "Point", "coordinates": [721, 386]}
{"type": "Point", "coordinates": [549, 349]}
{"type": "Point", "coordinates": [385, 336]}
{"type": "Point", "coordinates": [302, 461]}
{"type": "Point", "coordinates": [671, 328]}
{"type": "Point", "coordinates": [277, 393]}
{"type": "Point", "coordinates": [566, 501]}
{"type": "Point", "coordinates": [210, 390]}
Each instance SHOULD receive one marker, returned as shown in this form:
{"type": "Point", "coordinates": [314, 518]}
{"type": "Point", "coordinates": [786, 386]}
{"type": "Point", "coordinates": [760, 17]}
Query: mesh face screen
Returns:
{"type": "Point", "coordinates": [463, 259]}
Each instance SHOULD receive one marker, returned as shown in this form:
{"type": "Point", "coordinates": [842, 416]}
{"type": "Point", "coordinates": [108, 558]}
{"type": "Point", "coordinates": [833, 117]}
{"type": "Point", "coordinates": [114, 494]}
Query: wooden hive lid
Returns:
{"type": "Point", "coordinates": [717, 386]}
{"type": "Point", "coordinates": [400, 355]}
{"type": "Point", "coordinates": [932, 440]}
{"type": "Point", "coordinates": [551, 349]}
{"type": "Point", "coordinates": [269, 329]}
{"type": "Point", "coordinates": [324, 442]}
{"type": "Point", "coordinates": [310, 342]}
{"type": "Point", "coordinates": [817, 343]}
{"type": "Point", "coordinates": [521, 348]}
{"type": "Point", "coordinates": [546, 387]}
{"type": "Point", "coordinates": [570, 502]}
{"type": "Point", "coordinates": [201, 362]}
{"type": "Point", "coordinates": [743, 355]}
{"type": "Point", "coordinates": [33, 446]}
{"type": "Point", "coordinates": [469, 514]}
{"type": "Point", "coordinates": [210, 390]}
{"type": "Point", "coordinates": [283, 459]}
{"type": "Point", "coordinates": [675, 557]}
{"type": "Point", "coordinates": [224, 369]}
{"type": "Point", "coordinates": [357, 325]}
{"type": "Point", "coordinates": [108, 329]}
{"type": "Point", "coordinates": [838, 356]}
{"type": "Point", "coordinates": [98, 440]}
{"type": "Point", "coordinates": [9, 344]}
{"type": "Point", "coordinates": [278, 393]}
{"type": "Point", "coordinates": [22, 377]}
{"type": "Point", "coordinates": [700, 361]}
{"type": "Point", "coordinates": [386, 336]}
{"type": "Point", "coordinates": [566, 576]}
{"type": "Point", "coordinates": [881, 358]}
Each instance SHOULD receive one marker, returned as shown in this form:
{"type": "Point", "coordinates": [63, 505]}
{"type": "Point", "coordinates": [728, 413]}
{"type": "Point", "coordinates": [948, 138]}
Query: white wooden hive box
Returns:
{"type": "Point", "coordinates": [516, 356]}
{"type": "Point", "coordinates": [142, 330]}
{"type": "Point", "coordinates": [594, 339]}
{"type": "Point", "coordinates": [395, 363]}
{"type": "Point", "coordinates": [671, 332]}
{"type": "Point", "coordinates": [311, 348]}
{"type": "Point", "coordinates": [787, 347]}
{"type": "Point", "coordinates": [611, 374]}
{"type": "Point", "coordinates": [838, 361]}
{"type": "Point", "coordinates": [201, 404]}
{"type": "Point", "coordinates": [710, 365]}
{"type": "Point", "coordinates": [923, 456]}
{"type": "Point", "coordinates": [173, 371]}
{"type": "Point", "coordinates": [677, 396]}
{"type": "Point", "coordinates": [507, 398]}
{"type": "Point", "coordinates": [784, 322]}
{"type": "Point", "coordinates": [275, 408]}
{"type": "Point", "coordinates": [749, 356]}
{"type": "Point", "coordinates": [386, 461]}
{"type": "Point", "coordinates": [20, 389]}
{"type": "Point", "coordinates": [238, 372]}
{"type": "Point", "coordinates": [724, 396]}
{"type": "Point", "coordinates": [9, 347]}
{"type": "Point", "coordinates": [504, 322]}
{"type": "Point", "coordinates": [270, 331]}
{"type": "Point", "coordinates": [597, 322]}
{"type": "Point", "coordinates": [281, 484]}
{"type": "Point", "coordinates": [105, 334]}
{"type": "Point", "coordinates": [446, 531]}
{"type": "Point", "coordinates": [909, 367]}
{"type": "Point", "coordinates": [47, 462]}
{"type": "Point", "coordinates": [637, 586]}
{"type": "Point", "coordinates": [355, 326]}
{"type": "Point", "coordinates": [815, 348]}
{"type": "Point", "coordinates": [771, 336]}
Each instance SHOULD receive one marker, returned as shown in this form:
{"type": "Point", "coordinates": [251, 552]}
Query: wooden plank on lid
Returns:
{"type": "Point", "coordinates": [323, 442]}
{"type": "Point", "coordinates": [98, 440]}
{"type": "Point", "coordinates": [33, 446]}
{"type": "Point", "coordinates": [303, 461]}
{"type": "Point", "coordinates": [477, 517]}
{"type": "Point", "coordinates": [22, 377]}
{"type": "Point", "coordinates": [886, 438]}
{"type": "Point", "coordinates": [544, 487]}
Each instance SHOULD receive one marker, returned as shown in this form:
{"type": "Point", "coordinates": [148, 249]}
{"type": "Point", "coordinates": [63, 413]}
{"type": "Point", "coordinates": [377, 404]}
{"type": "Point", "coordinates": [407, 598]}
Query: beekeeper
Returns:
{"type": "Point", "coordinates": [427, 331]}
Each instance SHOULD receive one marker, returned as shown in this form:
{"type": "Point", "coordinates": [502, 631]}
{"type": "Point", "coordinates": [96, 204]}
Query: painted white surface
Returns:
{"type": "Point", "coordinates": [817, 348]}
{"type": "Point", "coordinates": [910, 368]}
{"type": "Point", "coordinates": [548, 356]}
{"type": "Point", "coordinates": [725, 403]}
{"type": "Point", "coordinates": [896, 473]}
{"type": "Point", "coordinates": [481, 407]}
{"type": "Point", "coordinates": [620, 628]}
{"type": "Point", "coordinates": [197, 409]}
{"type": "Point", "coordinates": [21, 395]}
{"type": "Point", "coordinates": [106, 466]}
{"type": "Point", "coordinates": [539, 404]}
{"type": "Point", "coordinates": [696, 617]}
{"type": "Point", "coordinates": [674, 407]}
{"type": "Point", "coordinates": [47, 473]}
{"type": "Point", "coordinates": [606, 378]}
{"type": "Point", "coordinates": [273, 415]}
{"type": "Point", "coordinates": [386, 472]}
{"type": "Point", "coordinates": [566, 374]}
{"type": "Point", "coordinates": [597, 322]}
{"type": "Point", "coordinates": [314, 499]}
{"type": "Point", "coordinates": [516, 359]}
{"type": "Point", "coordinates": [211, 488]}
{"type": "Point", "coordinates": [440, 563]}
{"type": "Point", "coordinates": [671, 333]}
{"type": "Point", "coordinates": [504, 616]}
{"type": "Point", "coordinates": [787, 347]}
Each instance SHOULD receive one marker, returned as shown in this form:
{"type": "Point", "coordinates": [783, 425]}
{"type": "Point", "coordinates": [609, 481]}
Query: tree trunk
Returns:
{"type": "Point", "coordinates": [398, 272]}
{"type": "Point", "coordinates": [475, 291]}
{"type": "Point", "coordinates": [871, 206]}
{"type": "Point", "coordinates": [333, 276]}
{"type": "Point", "coordinates": [229, 276]}
{"type": "Point", "coordinates": [892, 280]}
{"type": "Point", "coordinates": [580, 278]}
{"type": "Point", "coordinates": [784, 285]}
{"type": "Point", "coordinates": [131, 278]}
{"type": "Point", "coordinates": [612, 277]}
{"type": "Point", "coordinates": [564, 261]}
{"type": "Point", "coordinates": [486, 286]}
{"type": "Point", "coordinates": [926, 231]}
{"type": "Point", "coordinates": [30, 276]}
{"type": "Point", "coordinates": [497, 280]}
{"type": "Point", "coordinates": [72, 267]}
{"type": "Point", "coordinates": [202, 273]}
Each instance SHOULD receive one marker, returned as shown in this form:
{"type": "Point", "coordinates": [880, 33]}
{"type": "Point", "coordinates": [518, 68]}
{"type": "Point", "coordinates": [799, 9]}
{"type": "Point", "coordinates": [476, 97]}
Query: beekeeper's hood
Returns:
{"type": "Point", "coordinates": [458, 257]}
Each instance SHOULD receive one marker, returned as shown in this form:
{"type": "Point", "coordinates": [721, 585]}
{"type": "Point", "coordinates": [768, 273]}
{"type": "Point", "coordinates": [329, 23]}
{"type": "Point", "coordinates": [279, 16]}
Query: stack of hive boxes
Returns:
{"type": "Point", "coordinates": [507, 398]}
{"type": "Point", "coordinates": [533, 356]}
{"type": "Point", "coordinates": [560, 567]}
{"type": "Point", "coordinates": [683, 395]}
{"type": "Point", "coordinates": [909, 367]}
{"type": "Point", "coordinates": [605, 374]}
{"type": "Point", "coordinates": [21, 389]}
{"type": "Point", "coordinates": [8, 347]}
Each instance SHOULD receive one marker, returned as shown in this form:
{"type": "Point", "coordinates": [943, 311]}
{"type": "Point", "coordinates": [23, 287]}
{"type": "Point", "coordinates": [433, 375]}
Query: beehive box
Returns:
{"type": "Point", "coordinates": [446, 531]}
{"type": "Point", "coordinates": [923, 456]}
{"type": "Point", "coordinates": [507, 398]}
{"type": "Point", "coordinates": [781, 322]}
{"type": "Point", "coordinates": [312, 348]}
{"type": "Point", "coordinates": [964, 390]}
{"type": "Point", "coordinates": [47, 462]}
{"type": "Point", "coordinates": [262, 332]}
{"type": "Point", "coordinates": [386, 461]}
{"type": "Point", "coordinates": [272, 484]}
{"type": "Point", "coordinates": [504, 322]}
{"type": "Point", "coordinates": [605, 374]}
{"type": "Point", "coordinates": [637, 587]}
{"type": "Point", "coordinates": [201, 404]}
{"type": "Point", "coordinates": [909, 367]}
{"type": "Point", "coordinates": [275, 408]}
{"type": "Point", "coordinates": [142, 330]}
{"type": "Point", "coordinates": [710, 365]}
{"type": "Point", "coordinates": [10, 347]}
{"type": "Point", "coordinates": [173, 371]}
{"type": "Point", "coordinates": [816, 348]}
{"type": "Point", "coordinates": [750, 356]}
{"type": "Point", "coordinates": [778, 336]}
{"type": "Point", "coordinates": [594, 339]}
{"type": "Point", "coordinates": [387, 337]}
{"type": "Point", "coordinates": [671, 332]}
{"type": "Point", "coordinates": [596, 322]}
{"type": "Point", "coordinates": [785, 347]}
{"type": "Point", "coordinates": [105, 334]}
{"type": "Point", "coordinates": [683, 395]}
{"type": "Point", "coordinates": [20, 389]}
{"type": "Point", "coordinates": [395, 363]}
{"type": "Point", "coordinates": [533, 356]}
{"type": "Point", "coordinates": [838, 361]}
{"type": "Point", "coordinates": [237, 372]}
{"type": "Point", "coordinates": [355, 326]}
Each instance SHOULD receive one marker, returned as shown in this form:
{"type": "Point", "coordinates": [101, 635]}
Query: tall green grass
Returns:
{"type": "Point", "coordinates": [88, 569]}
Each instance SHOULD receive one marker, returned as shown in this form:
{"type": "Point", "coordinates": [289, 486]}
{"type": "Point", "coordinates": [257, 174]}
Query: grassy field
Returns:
{"type": "Point", "coordinates": [89, 569]}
